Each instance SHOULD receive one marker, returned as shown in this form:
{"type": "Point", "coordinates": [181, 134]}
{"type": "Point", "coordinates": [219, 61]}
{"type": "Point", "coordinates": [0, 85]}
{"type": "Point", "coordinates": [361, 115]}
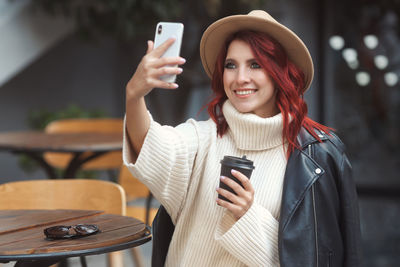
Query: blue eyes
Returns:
{"type": "Point", "coordinates": [231, 65]}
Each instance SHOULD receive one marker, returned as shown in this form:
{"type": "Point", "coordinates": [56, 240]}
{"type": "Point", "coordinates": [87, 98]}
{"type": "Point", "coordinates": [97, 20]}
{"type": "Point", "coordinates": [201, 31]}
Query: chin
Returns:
{"type": "Point", "coordinates": [242, 109]}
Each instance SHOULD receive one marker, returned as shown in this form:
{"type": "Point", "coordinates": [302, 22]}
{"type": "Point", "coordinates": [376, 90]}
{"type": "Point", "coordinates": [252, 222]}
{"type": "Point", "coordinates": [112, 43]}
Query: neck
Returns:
{"type": "Point", "coordinates": [252, 132]}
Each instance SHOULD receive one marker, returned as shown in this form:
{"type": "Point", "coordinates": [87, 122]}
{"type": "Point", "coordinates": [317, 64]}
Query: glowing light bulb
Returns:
{"type": "Point", "coordinates": [349, 54]}
{"type": "Point", "coordinates": [353, 64]}
{"type": "Point", "coordinates": [381, 62]}
{"type": "Point", "coordinates": [390, 78]}
{"type": "Point", "coordinates": [371, 41]}
{"type": "Point", "coordinates": [363, 78]}
{"type": "Point", "coordinates": [336, 42]}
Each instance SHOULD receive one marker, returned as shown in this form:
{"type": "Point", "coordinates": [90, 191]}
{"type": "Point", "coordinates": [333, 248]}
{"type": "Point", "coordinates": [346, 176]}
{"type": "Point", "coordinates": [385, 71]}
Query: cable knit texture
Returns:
{"type": "Point", "coordinates": [181, 166]}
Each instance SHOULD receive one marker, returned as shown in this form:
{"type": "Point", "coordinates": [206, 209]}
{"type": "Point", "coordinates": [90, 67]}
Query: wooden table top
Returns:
{"type": "Point", "coordinates": [37, 141]}
{"type": "Point", "coordinates": [22, 237]}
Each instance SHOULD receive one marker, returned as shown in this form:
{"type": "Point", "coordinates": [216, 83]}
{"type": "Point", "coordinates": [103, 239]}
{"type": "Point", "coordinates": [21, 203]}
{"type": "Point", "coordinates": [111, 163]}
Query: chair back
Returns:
{"type": "Point", "coordinates": [84, 194]}
{"type": "Point", "coordinates": [135, 190]}
{"type": "Point", "coordinates": [133, 187]}
{"type": "Point", "coordinates": [112, 160]}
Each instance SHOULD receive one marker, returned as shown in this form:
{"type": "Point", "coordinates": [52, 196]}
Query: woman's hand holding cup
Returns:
{"type": "Point", "coordinates": [235, 191]}
{"type": "Point", "coordinates": [242, 200]}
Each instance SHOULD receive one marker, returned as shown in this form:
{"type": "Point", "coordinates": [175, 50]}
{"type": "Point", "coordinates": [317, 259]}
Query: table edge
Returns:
{"type": "Point", "coordinates": [147, 236]}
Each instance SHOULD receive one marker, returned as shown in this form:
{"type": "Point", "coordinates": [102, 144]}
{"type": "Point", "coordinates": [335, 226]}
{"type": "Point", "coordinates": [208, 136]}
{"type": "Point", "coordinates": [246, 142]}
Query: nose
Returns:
{"type": "Point", "coordinates": [242, 76]}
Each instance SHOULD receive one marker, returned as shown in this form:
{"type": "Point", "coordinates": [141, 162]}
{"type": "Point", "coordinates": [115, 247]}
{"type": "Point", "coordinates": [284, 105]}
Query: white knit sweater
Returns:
{"type": "Point", "coordinates": [181, 166]}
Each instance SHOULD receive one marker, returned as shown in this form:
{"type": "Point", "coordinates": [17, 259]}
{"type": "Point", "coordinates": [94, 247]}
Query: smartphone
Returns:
{"type": "Point", "coordinates": [164, 31]}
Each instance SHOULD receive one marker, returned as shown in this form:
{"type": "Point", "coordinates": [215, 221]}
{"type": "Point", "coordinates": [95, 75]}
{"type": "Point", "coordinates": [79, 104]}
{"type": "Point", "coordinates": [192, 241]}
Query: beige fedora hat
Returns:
{"type": "Point", "coordinates": [257, 20]}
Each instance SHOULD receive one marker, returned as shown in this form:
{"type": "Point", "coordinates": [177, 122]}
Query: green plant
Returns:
{"type": "Point", "coordinates": [38, 119]}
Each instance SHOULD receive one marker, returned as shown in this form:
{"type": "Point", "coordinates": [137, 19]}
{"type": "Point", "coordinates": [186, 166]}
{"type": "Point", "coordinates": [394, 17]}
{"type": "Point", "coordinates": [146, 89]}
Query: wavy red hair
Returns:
{"type": "Point", "coordinates": [289, 83]}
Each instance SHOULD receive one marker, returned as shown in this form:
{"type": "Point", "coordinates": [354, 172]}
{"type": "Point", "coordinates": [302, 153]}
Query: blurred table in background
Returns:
{"type": "Point", "coordinates": [34, 144]}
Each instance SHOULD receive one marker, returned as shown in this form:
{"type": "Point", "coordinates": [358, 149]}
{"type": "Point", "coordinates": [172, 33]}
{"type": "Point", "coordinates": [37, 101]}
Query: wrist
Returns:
{"type": "Point", "coordinates": [132, 94]}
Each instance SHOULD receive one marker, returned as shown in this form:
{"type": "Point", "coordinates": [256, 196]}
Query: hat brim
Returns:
{"type": "Point", "coordinates": [215, 35]}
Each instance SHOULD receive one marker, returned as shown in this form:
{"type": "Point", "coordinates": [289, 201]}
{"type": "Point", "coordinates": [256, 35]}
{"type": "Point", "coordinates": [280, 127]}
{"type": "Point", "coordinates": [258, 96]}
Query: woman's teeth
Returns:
{"type": "Point", "coordinates": [244, 92]}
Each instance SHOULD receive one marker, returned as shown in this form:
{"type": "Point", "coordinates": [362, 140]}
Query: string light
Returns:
{"type": "Point", "coordinates": [363, 78]}
{"type": "Point", "coordinates": [371, 41]}
{"type": "Point", "coordinates": [336, 42]}
{"type": "Point", "coordinates": [390, 78]}
{"type": "Point", "coordinates": [381, 62]}
{"type": "Point", "coordinates": [350, 55]}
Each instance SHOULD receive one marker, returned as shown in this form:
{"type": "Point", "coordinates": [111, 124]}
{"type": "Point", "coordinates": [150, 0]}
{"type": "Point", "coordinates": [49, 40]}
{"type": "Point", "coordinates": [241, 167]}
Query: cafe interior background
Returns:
{"type": "Point", "coordinates": [73, 58]}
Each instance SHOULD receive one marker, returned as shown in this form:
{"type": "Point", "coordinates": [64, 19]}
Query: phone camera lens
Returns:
{"type": "Point", "coordinates": [159, 29]}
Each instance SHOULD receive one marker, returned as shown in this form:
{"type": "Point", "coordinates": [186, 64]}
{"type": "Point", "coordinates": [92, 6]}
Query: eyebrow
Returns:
{"type": "Point", "coordinates": [247, 61]}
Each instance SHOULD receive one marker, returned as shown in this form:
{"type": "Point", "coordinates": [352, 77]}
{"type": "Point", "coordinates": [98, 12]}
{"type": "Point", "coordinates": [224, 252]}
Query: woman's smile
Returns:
{"type": "Point", "coordinates": [245, 92]}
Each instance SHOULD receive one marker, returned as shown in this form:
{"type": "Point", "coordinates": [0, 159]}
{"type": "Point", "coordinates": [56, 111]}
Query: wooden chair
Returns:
{"type": "Point", "coordinates": [136, 192]}
{"type": "Point", "coordinates": [66, 194]}
{"type": "Point", "coordinates": [134, 188]}
{"type": "Point", "coordinates": [112, 160]}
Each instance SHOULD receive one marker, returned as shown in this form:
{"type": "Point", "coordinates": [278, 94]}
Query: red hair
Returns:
{"type": "Point", "coordinates": [289, 83]}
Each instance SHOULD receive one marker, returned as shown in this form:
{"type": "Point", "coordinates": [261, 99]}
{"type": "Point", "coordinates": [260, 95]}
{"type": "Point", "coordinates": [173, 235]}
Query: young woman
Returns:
{"type": "Point", "coordinates": [300, 206]}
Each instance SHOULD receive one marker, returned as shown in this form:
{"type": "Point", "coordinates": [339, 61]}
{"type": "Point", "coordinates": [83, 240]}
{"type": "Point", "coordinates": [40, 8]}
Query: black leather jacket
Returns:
{"type": "Point", "coordinates": [319, 223]}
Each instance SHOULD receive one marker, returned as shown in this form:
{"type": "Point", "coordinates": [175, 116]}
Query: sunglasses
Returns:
{"type": "Point", "coordinates": [74, 231]}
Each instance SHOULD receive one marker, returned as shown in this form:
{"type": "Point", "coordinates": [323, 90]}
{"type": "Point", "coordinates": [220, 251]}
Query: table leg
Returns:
{"type": "Point", "coordinates": [73, 166]}
{"type": "Point", "coordinates": [36, 263]}
{"type": "Point", "coordinates": [38, 157]}
{"type": "Point", "coordinates": [83, 261]}
{"type": "Point", "coordinates": [77, 161]}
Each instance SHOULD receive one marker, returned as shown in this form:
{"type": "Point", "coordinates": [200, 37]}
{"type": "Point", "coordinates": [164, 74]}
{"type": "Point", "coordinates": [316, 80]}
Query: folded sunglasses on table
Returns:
{"type": "Point", "coordinates": [73, 231]}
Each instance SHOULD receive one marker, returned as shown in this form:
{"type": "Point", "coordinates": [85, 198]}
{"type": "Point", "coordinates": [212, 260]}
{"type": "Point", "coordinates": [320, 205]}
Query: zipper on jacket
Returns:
{"type": "Point", "coordinates": [315, 214]}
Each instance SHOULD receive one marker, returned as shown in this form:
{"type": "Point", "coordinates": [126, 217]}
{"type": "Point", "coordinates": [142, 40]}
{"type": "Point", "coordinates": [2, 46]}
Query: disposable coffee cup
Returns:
{"type": "Point", "coordinates": [242, 165]}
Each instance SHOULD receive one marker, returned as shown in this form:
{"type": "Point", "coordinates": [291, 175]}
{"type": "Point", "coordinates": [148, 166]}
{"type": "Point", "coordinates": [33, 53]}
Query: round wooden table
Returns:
{"type": "Point", "coordinates": [22, 238]}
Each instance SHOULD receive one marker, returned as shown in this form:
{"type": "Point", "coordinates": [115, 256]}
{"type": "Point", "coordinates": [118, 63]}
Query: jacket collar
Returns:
{"type": "Point", "coordinates": [304, 138]}
{"type": "Point", "coordinates": [301, 172]}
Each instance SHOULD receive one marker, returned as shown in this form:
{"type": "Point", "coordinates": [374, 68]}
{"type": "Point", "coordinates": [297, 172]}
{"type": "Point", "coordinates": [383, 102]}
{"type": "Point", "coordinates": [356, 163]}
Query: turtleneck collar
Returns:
{"type": "Point", "coordinates": [251, 132]}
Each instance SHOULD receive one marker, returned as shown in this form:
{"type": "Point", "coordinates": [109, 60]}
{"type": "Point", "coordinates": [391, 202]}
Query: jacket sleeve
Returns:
{"type": "Point", "coordinates": [350, 222]}
{"type": "Point", "coordinates": [253, 239]}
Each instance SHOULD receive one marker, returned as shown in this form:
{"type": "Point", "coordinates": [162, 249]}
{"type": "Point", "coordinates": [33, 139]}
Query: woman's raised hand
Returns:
{"type": "Point", "coordinates": [146, 77]}
{"type": "Point", "coordinates": [243, 199]}
{"type": "Point", "coordinates": [151, 68]}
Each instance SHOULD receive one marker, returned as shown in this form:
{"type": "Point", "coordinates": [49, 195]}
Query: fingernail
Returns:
{"type": "Point", "coordinates": [180, 70]}
{"type": "Point", "coordinates": [222, 177]}
{"type": "Point", "coordinates": [173, 85]}
{"type": "Point", "coordinates": [182, 60]}
{"type": "Point", "coordinates": [233, 171]}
